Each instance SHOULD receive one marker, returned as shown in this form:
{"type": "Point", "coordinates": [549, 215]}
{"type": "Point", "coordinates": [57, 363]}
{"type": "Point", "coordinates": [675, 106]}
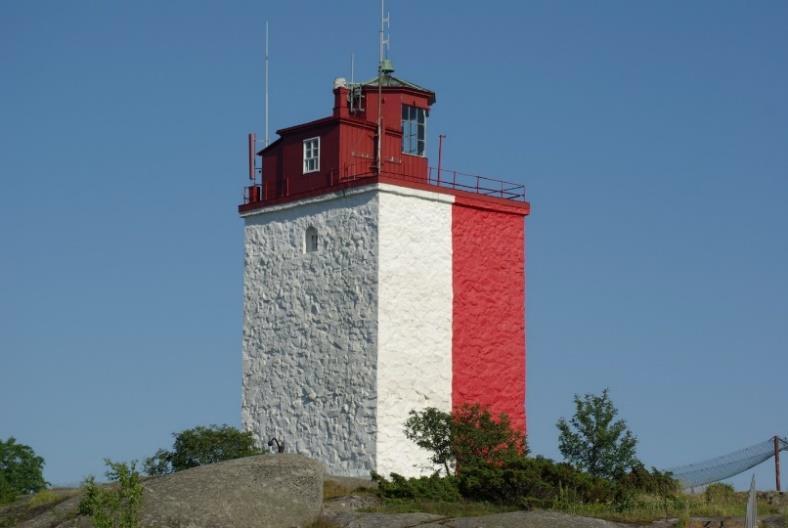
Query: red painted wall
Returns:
{"type": "Point", "coordinates": [488, 349]}
{"type": "Point", "coordinates": [347, 146]}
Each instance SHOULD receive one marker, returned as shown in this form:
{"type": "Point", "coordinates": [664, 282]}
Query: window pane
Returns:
{"type": "Point", "coordinates": [413, 129]}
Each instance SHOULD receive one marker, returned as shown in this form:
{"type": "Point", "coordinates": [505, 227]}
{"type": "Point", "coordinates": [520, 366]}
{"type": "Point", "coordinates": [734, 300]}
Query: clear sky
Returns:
{"type": "Point", "coordinates": [652, 138]}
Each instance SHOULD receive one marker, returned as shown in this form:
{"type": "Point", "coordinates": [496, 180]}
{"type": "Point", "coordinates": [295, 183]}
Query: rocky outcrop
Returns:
{"type": "Point", "coordinates": [517, 519]}
{"type": "Point", "coordinates": [268, 491]}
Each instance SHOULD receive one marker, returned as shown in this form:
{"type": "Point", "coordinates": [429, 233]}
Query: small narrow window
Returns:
{"type": "Point", "coordinates": [310, 240]}
{"type": "Point", "coordinates": [414, 123]}
{"type": "Point", "coordinates": [311, 155]}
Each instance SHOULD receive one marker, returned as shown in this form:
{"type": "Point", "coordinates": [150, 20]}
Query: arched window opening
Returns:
{"type": "Point", "coordinates": [310, 240]}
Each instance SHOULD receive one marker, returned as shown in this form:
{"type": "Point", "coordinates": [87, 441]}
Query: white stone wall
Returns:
{"type": "Point", "coordinates": [414, 320]}
{"type": "Point", "coordinates": [340, 344]}
{"type": "Point", "coordinates": [310, 330]}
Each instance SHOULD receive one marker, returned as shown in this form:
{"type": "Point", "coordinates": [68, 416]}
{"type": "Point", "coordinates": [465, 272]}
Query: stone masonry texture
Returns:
{"type": "Point", "coordinates": [310, 330]}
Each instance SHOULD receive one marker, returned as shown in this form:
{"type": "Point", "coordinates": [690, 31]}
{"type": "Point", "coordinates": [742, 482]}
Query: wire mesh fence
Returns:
{"type": "Point", "coordinates": [726, 466]}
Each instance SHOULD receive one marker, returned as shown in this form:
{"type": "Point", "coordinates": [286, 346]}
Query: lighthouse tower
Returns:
{"type": "Point", "coordinates": [375, 285]}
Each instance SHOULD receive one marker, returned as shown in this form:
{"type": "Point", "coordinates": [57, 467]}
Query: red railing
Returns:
{"type": "Point", "coordinates": [446, 178]}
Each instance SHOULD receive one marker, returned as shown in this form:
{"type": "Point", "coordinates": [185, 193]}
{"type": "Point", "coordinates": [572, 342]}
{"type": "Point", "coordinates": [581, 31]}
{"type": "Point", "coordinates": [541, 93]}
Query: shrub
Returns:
{"type": "Point", "coordinates": [158, 464]}
{"type": "Point", "coordinates": [435, 487]}
{"type": "Point", "coordinates": [202, 445]}
{"type": "Point", "coordinates": [533, 482]}
{"type": "Point", "coordinates": [593, 442]}
{"type": "Point", "coordinates": [493, 466]}
{"type": "Point", "coordinates": [431, 429]}
{"type": "Point", "coordinates": [21, 470]}
{"type": "Point", "coordinates": [469, 435]}
{"type": "Point", "coordinates": [719, 493]}
{"type": "Point", "coordinates": [479, 438]}
{"type": "Point", "coordinates": [117, 506]}
{"type": "Point", "coordinates": [42, 498]}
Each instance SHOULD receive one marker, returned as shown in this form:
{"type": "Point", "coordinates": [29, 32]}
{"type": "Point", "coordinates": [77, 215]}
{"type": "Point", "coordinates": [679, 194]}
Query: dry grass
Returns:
{"type": "Point", "coordinates": [443, 508]}
{"type": "Point", "coordinates": [28, 506]}
{"type": "Point", "coordinates": [648, 508]}
{"type": "Point", "coordinates": [337, 487]}
{"type": "Point", "coordinates": [333, 489]}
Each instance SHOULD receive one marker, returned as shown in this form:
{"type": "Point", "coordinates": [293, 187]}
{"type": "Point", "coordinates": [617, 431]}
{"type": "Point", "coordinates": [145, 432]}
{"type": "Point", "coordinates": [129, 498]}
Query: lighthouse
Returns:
{"type": "Point", "coordinates": [375, 284]}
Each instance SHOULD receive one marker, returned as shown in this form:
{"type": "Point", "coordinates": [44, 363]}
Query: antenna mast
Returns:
{"type": "Point", "coordinates": [383, 43]}
{"type": "Point", "coordinates": [266, 83]}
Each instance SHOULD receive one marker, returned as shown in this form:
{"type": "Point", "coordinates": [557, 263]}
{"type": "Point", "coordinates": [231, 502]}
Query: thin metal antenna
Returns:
{"type": "Point", "coordinates": [266, 83]}
{"type": "Point", "coordinates": [383, 43]}
{"type": "Point", "coordinates": [352, 67]}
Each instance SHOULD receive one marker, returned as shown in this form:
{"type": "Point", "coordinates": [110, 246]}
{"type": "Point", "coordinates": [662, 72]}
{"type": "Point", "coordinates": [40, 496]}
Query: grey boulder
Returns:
{"type": "Point", "coordinates": [268, 491]}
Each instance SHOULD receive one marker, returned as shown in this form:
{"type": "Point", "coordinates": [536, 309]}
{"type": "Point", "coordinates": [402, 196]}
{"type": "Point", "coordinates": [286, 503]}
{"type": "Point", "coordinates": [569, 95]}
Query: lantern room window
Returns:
{"type": "Point", "coordinates": [311, 155]}
{"type": "Point", "coordinates": [414, 124]}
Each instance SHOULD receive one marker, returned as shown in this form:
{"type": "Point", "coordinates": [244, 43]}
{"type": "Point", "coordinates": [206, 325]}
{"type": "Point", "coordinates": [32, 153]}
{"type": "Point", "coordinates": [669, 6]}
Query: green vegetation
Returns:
{"type": "Point", "coordinates": [494, 471]}
{"type": "Point", "coordinates": [116, 506]}
{"type": "Point", "coordinates": [43, 498]}
{"type": "Point", "coordinates": [333, 489]}
{"type": "Point", "coordinates": [719, 493]}
{"type": "Point", "coordinates": [433, 488]}
{"type": "Point", "coordinates": [461, 508]}
{"type": "Point", "coordinates": [202, 445]}
{"type": "Point", "coordinates": [647, 508]}
{"type": "Point", "coordinates": [592, 442]}
{"type": "Point", "coordinates": [431, 429]}
{"type": "Point", "coordinates": [486, 469]}
{"type": "Point", "coordinates": [470, 435]}
{"type": "Point", "coordinates": [27, 507]}
{"type": "Point", "coordinates": [21, 470]}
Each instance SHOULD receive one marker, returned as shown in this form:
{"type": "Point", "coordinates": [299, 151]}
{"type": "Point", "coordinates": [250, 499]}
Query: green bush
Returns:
{"type": "Point", "coordinates": [435, 487]}
{"type": "Point", "coordinates": [42, 498]}
{"type": "Point", "coordinates": [21, 470]}
{"type": "Point", "coordinates": [533, 482]}
{"type": "Point", "coordinates": [431, 429]}
{"type": "Point", "coordinates": [493, 466]}
{"type": "Point", "coordinates": [469, 435]}
{"type": "Point", "coordinates": [719, 493]}
{"type": "Point", "coordinates": [202, 445]}
{"type": "Point", "coordinates": [593, 441]}
{"type": "Point", "coordinates": [116, 506]}
{"type": "Point", "coordinates": [479, 438]}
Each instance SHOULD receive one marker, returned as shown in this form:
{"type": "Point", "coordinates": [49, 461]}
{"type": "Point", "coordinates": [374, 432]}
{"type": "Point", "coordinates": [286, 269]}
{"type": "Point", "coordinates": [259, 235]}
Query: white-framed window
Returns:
{"type": "Point", "coordinates": [414, 124]}
{"type": "Point", "coordinates": [311, 154]}
{"type": "Point", "coordinates": [310, 240]}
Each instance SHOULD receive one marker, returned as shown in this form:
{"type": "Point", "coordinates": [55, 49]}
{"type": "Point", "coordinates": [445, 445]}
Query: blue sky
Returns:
{"type": "Point", "coordinates": [652, 138]}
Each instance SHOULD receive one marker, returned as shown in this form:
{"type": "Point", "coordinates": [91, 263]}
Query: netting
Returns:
{"type": "Point", "coordinates": [726, 466]}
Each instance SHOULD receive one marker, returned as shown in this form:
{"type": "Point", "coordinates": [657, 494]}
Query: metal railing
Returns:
{"type": "Point", "coordinates": [445, 178]}
{"type": "Point", "coordinates": [474, 183]}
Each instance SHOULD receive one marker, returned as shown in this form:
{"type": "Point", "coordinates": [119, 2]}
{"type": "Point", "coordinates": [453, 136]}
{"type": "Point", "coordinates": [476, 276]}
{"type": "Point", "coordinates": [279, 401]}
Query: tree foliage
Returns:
{"type": "Point", "coordinates": [202, 445]}
{"type": "Point", "coordinates": [594, 441]}
{"type": "Point", "coordinates": [469, 435]}
{"type": "Point", "coordinates": [117, 506]}
{"type": "Point", "coordinates": [21, 470]}
{"type": "Point", "coordinates": [480, 438]}
{"type": "Point", "coordinates": [492, 464]}
{"type": "Point", "coordinates": [431, 429]}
